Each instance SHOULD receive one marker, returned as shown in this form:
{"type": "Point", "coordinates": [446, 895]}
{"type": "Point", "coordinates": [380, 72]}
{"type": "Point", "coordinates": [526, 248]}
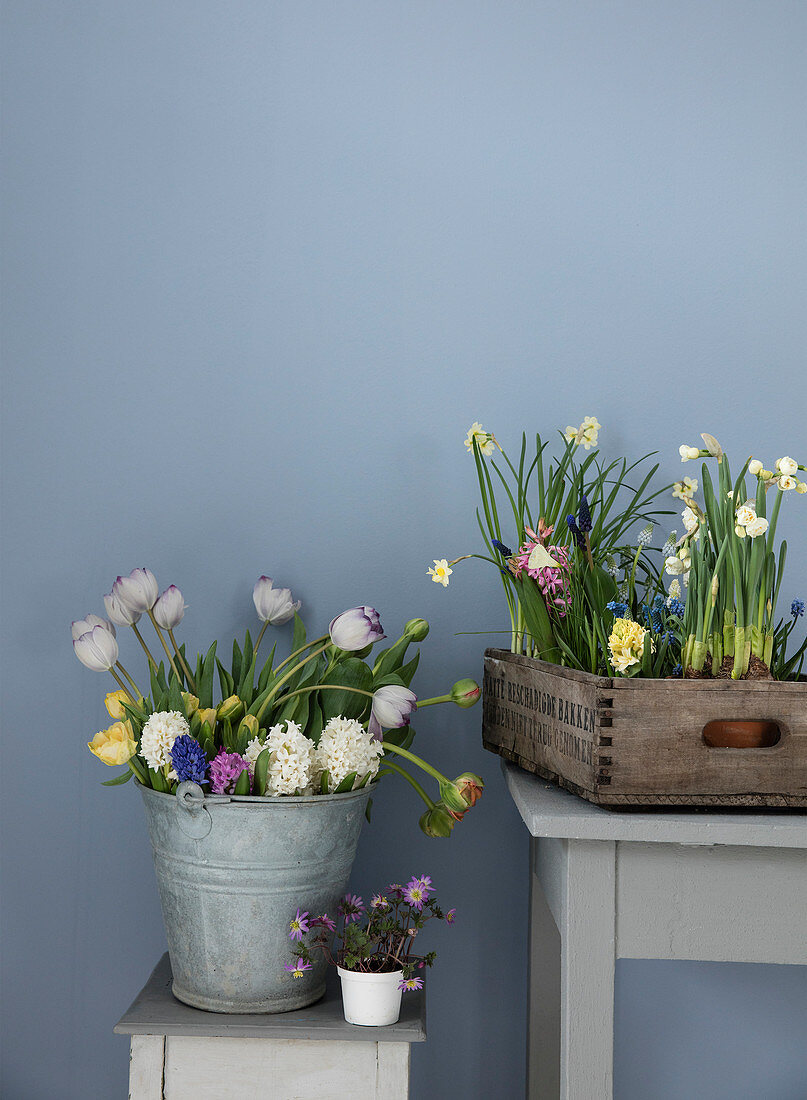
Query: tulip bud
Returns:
{"type": "Point", "coordinates": [274, 605]}
{"type": "Point", "coordinates": [206, 715]}
{"type": "Point", "coordinates": [249, 723]}
{"type": "Point", "coordinates": [97, 649]}
{"type": "Point", "coordinates": [118, 612]}
{"type": "Point", "coordinates": [169, 608]}
{"type": "Point", "coordinates": [416, 630]}
{"type": "Point", "coordinates": [191, 704]}
{"type": "Point", "coordinates": [138, 592]}
{"type": "Point", "coordinates": [437, 821]}
{"type": "Point", "coordinates": [229, 708]}
{"type": "Point", "coordinates": [356, 628]}
{"type": "Point", "coordinates": [81, 626]}
{"type": "Point", "coordinates": [465, 693]}
{"type": "Point", "coordinates": [451, 797]}
{"type": "Point", "coordinates": [112, 702]}
{"type": "Point", "coordinates": [471, 787]}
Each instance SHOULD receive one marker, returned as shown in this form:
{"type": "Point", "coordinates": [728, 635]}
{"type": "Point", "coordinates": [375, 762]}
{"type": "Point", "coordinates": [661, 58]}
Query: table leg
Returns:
{"type": "Point", "coordinates": [577, 878]}
{"type": "Point", "coordinates": [146, 1067]}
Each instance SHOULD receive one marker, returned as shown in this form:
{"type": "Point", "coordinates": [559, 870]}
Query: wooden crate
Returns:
{"type": "Point", "coordinates": [630, 743]}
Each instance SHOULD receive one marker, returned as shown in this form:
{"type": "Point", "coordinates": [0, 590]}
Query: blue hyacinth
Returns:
{"type": "Point", "coordinates": [505, 551]}
{"type": "Point", "coordinates": [189, 760]}
{"type": "Point", "coordinates": [797, 608]}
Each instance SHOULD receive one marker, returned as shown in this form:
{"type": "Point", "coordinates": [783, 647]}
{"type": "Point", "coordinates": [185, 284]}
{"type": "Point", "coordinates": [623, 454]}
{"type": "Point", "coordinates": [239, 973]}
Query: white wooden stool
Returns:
{"type": "Point", "coordinates": [182, 1053]}
{"type": "Point", "coordinates": [606, 885]}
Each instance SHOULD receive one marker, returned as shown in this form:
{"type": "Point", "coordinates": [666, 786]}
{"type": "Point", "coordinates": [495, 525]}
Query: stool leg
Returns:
{"type": "Point", "coordinates": [392, 1080]}
{"type": "Point", "coordinates": [146, 1067]}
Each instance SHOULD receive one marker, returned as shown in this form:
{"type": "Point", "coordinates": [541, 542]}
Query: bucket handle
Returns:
{"type": "Point", "coordinates": [192, 813]}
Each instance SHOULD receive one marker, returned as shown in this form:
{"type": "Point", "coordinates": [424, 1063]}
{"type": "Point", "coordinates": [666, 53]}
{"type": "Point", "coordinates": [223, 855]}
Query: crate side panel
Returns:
{"type": "Point", "coordinates": [531, 715]}
{"type": "Point", "coordinates": [658, 747]}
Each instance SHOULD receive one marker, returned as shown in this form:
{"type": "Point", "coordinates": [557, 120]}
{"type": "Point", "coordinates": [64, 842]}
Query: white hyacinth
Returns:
{"type": "Point", "coordinates": [290, 760]}
{"type": "Point", "coordinates": [344, 747]}
{"type": "Point", "coordinates": [159, 734]}
{"type": "Point", "coordinates": [253, 751]}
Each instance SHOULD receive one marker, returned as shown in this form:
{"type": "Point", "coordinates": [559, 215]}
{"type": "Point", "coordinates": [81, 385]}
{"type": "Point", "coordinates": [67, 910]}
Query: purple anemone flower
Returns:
{"type": "Point", "coordinates": [351, 907]}
{"type": "Point", "coordinates": [299, 924]}
{"type": "Point", "coordinates": [297, 969]}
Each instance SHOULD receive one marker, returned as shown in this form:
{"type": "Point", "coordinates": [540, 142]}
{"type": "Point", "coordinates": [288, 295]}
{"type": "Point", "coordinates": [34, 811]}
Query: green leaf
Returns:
{"type": "Point", "coordinates": [364, 782]}
{"type": "Point", "coordinates": [246, 687]}
{"type": "Point", "coordinates": [227, 736]}
{"type": "Point", "coordinates": [266, 678]}
{"type": "Point", "coordinates": [298, 637]}
{"type": "Point", "coordinates": [346, 784]}
{"type": "Point", "coordinates": [402, 737]}
{"type": "Point", "coordinates": [175, 695]}
{"type": "Point", "coordinates": [242, 786]}
{"type": "Point", "coordinates": [391, 659]}
{"type": "Point", "coordinates": [124, 777]}
{"type": "Point", "coordinates": [236, 666]}
{"type": "Point", "coordinates": [294, 710]}
{"type": "Point", "coordinates": [324, 781]}
{"type": "Point", "coordinates": [349, 673]}
{"type": "Point", "coordinates": [316, 720]}
{"type": "Point", "coordinates": [407, 671]}
{"type": "Point", "coordinates": [368, 809]}
{"type": "Point", "coordinates": [205, 681]}
{"type": "Point", "coordinates": [226, 681]}
{"type": "Point", "coordinates": [140, 768]}
{"type": "Point", "coordinates": [208, 746]}
{"type": "Point", "coordinates": [261, 772]}
{"type": "Point", "coordinates": [158, 781]}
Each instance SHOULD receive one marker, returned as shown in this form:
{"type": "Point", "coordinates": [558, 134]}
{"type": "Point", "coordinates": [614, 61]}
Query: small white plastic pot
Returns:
{"type": "Point", "coordinates": [372, 1000]}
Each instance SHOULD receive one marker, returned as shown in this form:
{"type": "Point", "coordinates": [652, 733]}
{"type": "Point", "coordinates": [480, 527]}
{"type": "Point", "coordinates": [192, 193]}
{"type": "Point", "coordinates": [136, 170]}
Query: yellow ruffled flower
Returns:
{"type": "Point", "coordinates": [114, 745]}
{"type": "Point", "coordinates": [626, 644]}
{"type": "Point", "coordinates": [441, 572]}
{"type": "Point", "coordinates": [113, 702]}
{"type": "Point", "coordinates": [484, 440]}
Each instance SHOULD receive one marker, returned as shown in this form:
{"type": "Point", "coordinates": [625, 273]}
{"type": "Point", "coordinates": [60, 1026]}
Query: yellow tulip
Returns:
{"type": "Point", "coordinates": [191, 703]}
{"type": "Point", "coordinates": [208, 715]}
{"type": "Point", "coordinates": [114, 745]}
{"type": "Point", "coordinates": [113, 701]}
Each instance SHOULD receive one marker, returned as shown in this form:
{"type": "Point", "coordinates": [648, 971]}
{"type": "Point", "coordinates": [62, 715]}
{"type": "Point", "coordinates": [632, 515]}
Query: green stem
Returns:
{"type": "Point", "coordinates": [122, 685]}
{"type": "Point", "coordinates": [326, 687]}
{"type": "Point", "coordinates": [302, 649]}
{"type": "Point", "coordinates": [431, 702]}
{"type": "Point", "coordinates": [410, 756]}
{"type": "Point", "coordinates": [260, 635]}
{"type": "Point", "coordinates": [131, 681]}
{"type": "Point", "coordinates": [283, 679]}
{"type": "Point", "coordinates": [156, 626]}
{"type": "Point", "coordinates": [146, 649]}
{"type": "Point", "coordinates": [183, 662]}
{"type": "Point", "coordinates": [410, 779]}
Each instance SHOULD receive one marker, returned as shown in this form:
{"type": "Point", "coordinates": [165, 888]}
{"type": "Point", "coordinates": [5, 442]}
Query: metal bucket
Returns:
{"type": "Point", "coordinates": [231, 872]}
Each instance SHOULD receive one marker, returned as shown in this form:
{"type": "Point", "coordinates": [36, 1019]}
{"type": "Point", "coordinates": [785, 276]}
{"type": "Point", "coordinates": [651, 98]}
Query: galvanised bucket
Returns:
{"type": "Point", "coordinates": [231, 872]}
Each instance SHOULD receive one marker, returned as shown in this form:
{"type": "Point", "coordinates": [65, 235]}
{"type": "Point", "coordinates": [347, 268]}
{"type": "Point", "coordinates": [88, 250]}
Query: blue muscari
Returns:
{"type": "Point", "coordinates": [189, 760]}
{"type": "Point", "coordinates": [619, 610]}
{"type": "Point", "coordinates": [677, 609]}
{"type": "Point", "coordinates": [584, 514]}
{"type": "Point", "coordinates": [578, 537]}
{"type": "Point", "coordinates": [797, 608]}
{"type": "Point", "coordinates": [678, 671]}
{"type": "Point", "coordinates": [505, 551]}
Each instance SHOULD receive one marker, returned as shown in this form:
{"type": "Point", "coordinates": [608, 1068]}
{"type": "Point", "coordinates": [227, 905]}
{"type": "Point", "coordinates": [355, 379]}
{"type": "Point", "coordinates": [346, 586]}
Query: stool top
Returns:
{"type": "Point", "coordinates": [548, 811]}
{"type": "Point", "coordinates": [156, 1011]}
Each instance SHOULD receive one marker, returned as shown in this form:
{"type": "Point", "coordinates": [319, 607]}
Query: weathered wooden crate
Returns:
{"type": "Point", "coordinates": [630, 742]}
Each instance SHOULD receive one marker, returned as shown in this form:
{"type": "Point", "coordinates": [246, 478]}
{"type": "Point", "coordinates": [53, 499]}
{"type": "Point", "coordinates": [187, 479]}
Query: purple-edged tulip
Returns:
{"type": "Point", "coordinates": [169, 608]}
{"type": "Point", "coordinates": [82, 626]}
{"type": "Point", "coordinates": [138, 591]}
{"type": "Point", "coordinates": [392, 705]}
{"type": "Point", "coordinates": [274, 605]}
{"type": "Point", "coordinates": [119, 612]}
{"type": "Point", "coordinates": [97, 649]}
{"type": "Point", "coordinates": [356, 628]}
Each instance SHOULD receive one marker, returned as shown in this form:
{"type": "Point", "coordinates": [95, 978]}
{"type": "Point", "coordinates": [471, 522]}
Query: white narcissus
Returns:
{"type": "Point", "coordinates": [82, 626]}
{"type": "Point", "coordinates": [169, 608]}
{"type": "Point", "coordinates": [688, 453]}
{"type": "Point", "coordinates": [138, 592]}
{"type": "Point", "coordinates": [786, 482]}
{"type": "Point", "coordinates": [786, 466]}
{"type": "Point", "coordinates": [746, 514]}
{"type": "Point", "coordinates": [274, 605]}
{"type": "Point", "coordinates": [97, 649]}
{"type": "Point", "coordinates": [755, 467]}
{"type": "Point", "coordinates": [757, 527]}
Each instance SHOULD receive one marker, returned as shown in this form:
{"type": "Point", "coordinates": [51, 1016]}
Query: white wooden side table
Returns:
{"type": "Point", "coordinates": [605, 885]}
{"type": "Point", "coordinates": [182, 1053]}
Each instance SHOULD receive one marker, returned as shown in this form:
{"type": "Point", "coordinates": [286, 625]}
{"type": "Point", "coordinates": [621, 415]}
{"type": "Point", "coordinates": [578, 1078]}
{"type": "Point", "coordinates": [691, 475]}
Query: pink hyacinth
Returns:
{"type": "Point", "coordinates": [225, 770]}
{"type": "Point", "coordinates": [554, 583]}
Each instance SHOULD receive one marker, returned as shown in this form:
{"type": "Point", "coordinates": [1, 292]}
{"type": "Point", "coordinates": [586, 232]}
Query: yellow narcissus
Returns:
{"type": "Point", "coordinates": [626, 644]}
{"type": "Point", "coordinates": [114, 745]}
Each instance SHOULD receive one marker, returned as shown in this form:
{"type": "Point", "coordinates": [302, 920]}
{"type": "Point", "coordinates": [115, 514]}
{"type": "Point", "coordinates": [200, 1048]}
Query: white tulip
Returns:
{"type": "Point", "coordinates": [169, 608]}
{"type": "Point", "coordinates": [82, 626]}
{"type": "Point", "coordinates": [137, 592]}
{"type": "Point", "coordinates": [274, 605]}
{"type": "Point", "coordinates": [97, 649]}
{"type": "Point", "coordinates": [118, 612]}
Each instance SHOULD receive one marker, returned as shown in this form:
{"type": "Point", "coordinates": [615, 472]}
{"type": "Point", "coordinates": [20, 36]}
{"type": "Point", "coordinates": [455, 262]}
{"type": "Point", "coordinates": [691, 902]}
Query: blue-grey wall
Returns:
{"type": "Point", "coordinates": [264, 263]}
